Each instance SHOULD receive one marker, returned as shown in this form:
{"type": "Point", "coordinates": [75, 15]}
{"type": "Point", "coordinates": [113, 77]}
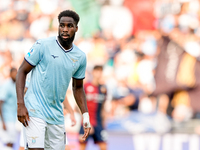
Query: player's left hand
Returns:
{"type": "Point", "coordinates": [86, 131]}
{"type": "Point", "coordinates": [86, 126]}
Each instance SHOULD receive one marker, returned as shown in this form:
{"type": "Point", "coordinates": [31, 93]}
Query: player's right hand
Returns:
{"type": "Point", "coordinates": [22, 114]}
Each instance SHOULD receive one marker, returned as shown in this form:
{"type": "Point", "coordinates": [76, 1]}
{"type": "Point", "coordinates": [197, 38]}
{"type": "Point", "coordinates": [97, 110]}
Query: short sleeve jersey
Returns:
{"type": "Point", "coordinates": [8, 95]}
{"type": "Point", "coordinates": [53, 69]}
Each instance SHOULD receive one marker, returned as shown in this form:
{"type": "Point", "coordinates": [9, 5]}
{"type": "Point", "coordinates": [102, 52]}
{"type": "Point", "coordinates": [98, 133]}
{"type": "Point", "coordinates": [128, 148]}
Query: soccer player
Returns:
{"type": "Point", "coordinates": [53, 61]}
{"type": "Point", "coordinates": [96, 96]}
{"type": "Point", "coordinates": [8, 110]}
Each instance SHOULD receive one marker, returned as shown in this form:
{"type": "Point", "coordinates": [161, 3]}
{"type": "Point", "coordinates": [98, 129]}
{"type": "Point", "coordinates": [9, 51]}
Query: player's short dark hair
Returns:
{"type": "Point", "coordinates": [98, 67]}
{"type": "Point", "coordinates": [69, 13]}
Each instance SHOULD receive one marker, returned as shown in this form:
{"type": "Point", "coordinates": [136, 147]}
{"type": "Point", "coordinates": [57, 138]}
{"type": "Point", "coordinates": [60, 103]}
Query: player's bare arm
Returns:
{"type": "Point", "coordinates": [80, 98]}
{"type": "Point", "coordinates": [22, 112]}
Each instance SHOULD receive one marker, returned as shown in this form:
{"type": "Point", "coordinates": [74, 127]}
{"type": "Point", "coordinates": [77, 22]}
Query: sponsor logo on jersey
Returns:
{"type": "Point", "coordinates": [54, 56]}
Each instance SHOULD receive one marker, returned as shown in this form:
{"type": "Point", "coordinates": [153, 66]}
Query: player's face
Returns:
{"type": "Point", "coordinates": [67, 30]}
{"type": "Point", "coordinates": [97, 74]}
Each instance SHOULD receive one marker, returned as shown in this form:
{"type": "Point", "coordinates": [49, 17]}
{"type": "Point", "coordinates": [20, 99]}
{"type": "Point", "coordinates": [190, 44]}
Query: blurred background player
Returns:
{"type": "Point", "coordinates": [8, 110]}
{"type": "Point", "coordinates": [96, 95]}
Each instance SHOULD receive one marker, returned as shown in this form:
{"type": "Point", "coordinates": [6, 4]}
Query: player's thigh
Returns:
{"type": "Point", "coordinates": [55, 137]}
{"type": "Point", "coordinates": [102, 145]}
{"type": "Point", "coordinates": [82, 146]}
{"type": "Point", "coordinates": [21, 148]}
{"type": "Point", "coordinates": [35, 134]}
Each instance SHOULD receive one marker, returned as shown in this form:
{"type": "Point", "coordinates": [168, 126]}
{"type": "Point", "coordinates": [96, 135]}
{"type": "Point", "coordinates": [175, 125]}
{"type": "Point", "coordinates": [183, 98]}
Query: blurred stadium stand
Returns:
{"type": "Point", "coordinates": [150, 50]}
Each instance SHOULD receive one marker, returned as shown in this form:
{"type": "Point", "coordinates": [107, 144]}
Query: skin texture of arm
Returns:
{"type": "Point", "coordinates": [79, 95]}
{"type": "Point", "coordinates": [69, 109]}
{"type": "Point", "coordinates": [22, 112]}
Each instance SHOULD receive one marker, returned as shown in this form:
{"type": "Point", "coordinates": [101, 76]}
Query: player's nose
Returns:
{"type": "Point", "coordinates": [65, 29]}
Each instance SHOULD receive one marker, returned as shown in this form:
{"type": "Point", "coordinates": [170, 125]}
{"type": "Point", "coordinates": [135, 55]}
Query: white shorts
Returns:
{"type": "Point", "coordinates": [40, 134]}
{"type": "Point", "coordinates": [10, 134]}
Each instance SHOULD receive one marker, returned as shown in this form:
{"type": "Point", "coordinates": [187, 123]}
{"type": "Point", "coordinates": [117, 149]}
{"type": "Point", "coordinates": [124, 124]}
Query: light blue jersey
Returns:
{"type": "Point", "coordinates": [54, 68]}
{"type": "Point", "coordinates": [28, 79]}
{"type": "Point", "coordinates": [8, 95]}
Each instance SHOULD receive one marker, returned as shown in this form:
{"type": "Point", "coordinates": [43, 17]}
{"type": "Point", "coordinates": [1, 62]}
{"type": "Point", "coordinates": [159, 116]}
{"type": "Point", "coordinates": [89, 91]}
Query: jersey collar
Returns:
{"type": "Point", "coordinates": [63, 47]}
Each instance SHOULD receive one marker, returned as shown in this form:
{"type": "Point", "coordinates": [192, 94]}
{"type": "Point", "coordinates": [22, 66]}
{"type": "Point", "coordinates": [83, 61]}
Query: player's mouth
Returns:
{"type": "Point", "coordinates": [65, 36]}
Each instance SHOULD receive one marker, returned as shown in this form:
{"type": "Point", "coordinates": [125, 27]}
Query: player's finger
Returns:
{"type": "Point", "coordinates": [26, 122]}
{"type": "Point", "coordinates": [84, 137]}
{"type": "Point", "coordinates": [28, 117]}
{"type": "Point", "coordinates": [86, 128]}
{"type": "Point", "coordinates": [21, 119]}
{"type": "Point", "coordinates": [86, 133]}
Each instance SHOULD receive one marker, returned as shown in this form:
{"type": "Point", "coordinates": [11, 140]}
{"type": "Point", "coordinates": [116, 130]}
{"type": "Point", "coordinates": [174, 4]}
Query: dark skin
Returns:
{"type": "Point", "coordinates": [67, 29]}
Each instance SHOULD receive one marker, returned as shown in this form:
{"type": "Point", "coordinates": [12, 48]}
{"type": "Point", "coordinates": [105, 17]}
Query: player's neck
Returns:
{"type": "Point", "coordinates": [65, 45]}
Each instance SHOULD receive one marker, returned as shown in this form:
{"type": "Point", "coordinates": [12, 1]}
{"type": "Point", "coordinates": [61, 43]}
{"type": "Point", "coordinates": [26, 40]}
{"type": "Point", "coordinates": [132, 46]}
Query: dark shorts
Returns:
{"type": "Point", "coordinates": [98, 136]}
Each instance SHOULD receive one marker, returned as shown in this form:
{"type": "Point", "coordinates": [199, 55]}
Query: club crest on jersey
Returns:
{"type": "Point", "coordinates": [30, 52]}
{"type": "Point", "coordinates": [34, 139]}
{"type": "Point", "coordinates": [74, 60]}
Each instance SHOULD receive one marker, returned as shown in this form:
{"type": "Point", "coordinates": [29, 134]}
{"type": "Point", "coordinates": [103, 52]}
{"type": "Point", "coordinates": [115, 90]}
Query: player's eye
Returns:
{"type": "Point", "coordinates": [62, 25]}
{"type": "Point", "coordinates": [70, 25]}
